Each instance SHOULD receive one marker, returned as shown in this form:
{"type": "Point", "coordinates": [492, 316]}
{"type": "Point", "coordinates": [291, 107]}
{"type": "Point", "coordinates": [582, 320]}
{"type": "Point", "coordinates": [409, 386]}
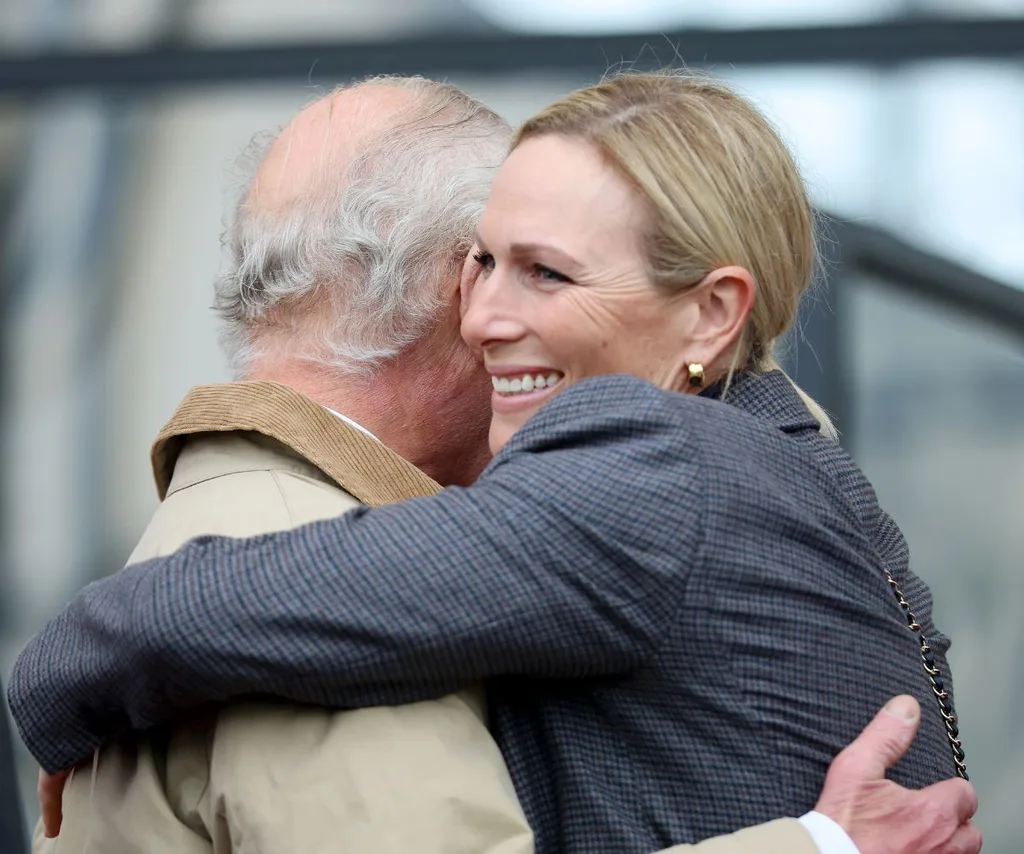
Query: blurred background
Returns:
{"type": "Point", "coordinates": [121, 123]}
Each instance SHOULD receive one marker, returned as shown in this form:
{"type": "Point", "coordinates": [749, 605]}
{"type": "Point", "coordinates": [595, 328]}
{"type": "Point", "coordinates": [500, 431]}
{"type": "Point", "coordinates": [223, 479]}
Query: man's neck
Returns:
{"type": "Point", "coordinates": [373, 407]}
{"type": "Point", "coordinates": [386, 405]}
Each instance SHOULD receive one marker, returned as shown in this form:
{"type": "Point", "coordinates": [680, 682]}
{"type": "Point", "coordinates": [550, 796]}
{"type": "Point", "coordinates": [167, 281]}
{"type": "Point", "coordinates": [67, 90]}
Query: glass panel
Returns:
{"type": "Point", "coordinates": [28, 24]}
{"type": "Point", "coordinates": [955, 170]}
{"type": "Point", "coordinates": [242, 21]}
{"type": "Point", "coordinates": [828, 117]}
{"type": "Point", "coordinates": [599, 16]}
{"type": "Point", "coordinates": [931, 152]}
{"type": "Point", "coordinates": [31, 25]}
{"type": "Point", "coordinates": [972, 8]}
{"type": "Point", "coordinates": [938, 426]}
{"type": "Point", "coordinates": [578, 16]}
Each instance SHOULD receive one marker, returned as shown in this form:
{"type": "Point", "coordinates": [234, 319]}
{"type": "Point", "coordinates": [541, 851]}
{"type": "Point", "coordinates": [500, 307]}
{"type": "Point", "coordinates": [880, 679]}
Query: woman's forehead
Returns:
{"type": "Point", "coordinates": [556, 186]}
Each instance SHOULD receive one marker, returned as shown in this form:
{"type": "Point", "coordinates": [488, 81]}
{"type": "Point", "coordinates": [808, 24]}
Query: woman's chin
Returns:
{"type": "Point", "coordinates": [503, 428]}
{"type": "Point", "coordinates": [510, 412]}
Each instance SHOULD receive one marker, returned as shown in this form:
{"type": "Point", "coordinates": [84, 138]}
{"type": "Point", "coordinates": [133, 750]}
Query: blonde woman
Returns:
{"type": "Point", "coordinates": [681, 590]}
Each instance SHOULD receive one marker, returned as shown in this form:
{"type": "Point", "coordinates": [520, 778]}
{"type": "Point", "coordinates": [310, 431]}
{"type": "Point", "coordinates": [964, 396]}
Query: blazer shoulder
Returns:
{"type": "Point", "coordinates": [619, 408]}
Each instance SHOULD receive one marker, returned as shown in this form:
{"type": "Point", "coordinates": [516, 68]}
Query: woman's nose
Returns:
{"type": "Point", "coordinates": [489, 315]}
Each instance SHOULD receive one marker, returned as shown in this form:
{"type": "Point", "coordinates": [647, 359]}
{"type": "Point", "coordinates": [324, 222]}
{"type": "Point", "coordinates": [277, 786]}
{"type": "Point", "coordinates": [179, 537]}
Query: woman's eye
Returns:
{"type": "Point", "coordinates": [549, 275]}
{"type": "Point", "coordinates": [484, 259]}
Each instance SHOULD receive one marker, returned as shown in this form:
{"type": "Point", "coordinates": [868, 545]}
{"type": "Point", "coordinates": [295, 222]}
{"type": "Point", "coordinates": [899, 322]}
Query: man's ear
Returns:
{"type": "Point", "coordinates": [724, 301]}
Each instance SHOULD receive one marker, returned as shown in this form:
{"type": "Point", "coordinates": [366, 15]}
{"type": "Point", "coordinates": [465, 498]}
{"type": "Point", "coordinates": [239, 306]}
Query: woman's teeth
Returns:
{"type": "Point", "coordinates": [524, 384]}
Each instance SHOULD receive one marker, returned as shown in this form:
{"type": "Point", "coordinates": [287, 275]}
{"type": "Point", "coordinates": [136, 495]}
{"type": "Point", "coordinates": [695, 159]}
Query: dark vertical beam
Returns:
{"type": "Point", "coordinates": [125, 127]}
{"type": "Point", "coordinates": [12, 820]}
{"type": "Point", "coordinates": [13, 838]}
{"type": "Point", "coordinates": [8, 192]}
{"type": "Point", "coordinates": [816, 353]}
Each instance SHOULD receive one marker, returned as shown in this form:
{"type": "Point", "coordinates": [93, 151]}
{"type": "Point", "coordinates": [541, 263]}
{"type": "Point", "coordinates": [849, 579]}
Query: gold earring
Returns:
{"type": "Point", "coordinates": [696, 374]}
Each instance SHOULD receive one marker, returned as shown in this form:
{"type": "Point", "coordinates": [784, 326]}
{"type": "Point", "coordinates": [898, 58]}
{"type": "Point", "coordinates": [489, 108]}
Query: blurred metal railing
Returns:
{"type": "Point", "coordinates": [886, 43]}
{"type": "Point", "coordinates": [852, 252]}
{"type": "Point", "coordinates": [910, 270]}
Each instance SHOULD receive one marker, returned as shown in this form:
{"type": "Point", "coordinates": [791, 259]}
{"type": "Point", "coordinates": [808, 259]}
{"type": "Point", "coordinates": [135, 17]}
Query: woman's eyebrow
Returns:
{"type": "Point", "coordinates": [530, 248]}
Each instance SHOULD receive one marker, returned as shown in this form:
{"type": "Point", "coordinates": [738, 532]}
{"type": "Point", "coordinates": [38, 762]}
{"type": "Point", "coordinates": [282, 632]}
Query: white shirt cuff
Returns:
{"type": "Point", "coordinates": [827, 834]}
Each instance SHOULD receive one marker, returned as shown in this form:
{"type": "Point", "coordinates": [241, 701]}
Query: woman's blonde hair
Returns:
{"type": "Point", "coordinates": [720, 186]}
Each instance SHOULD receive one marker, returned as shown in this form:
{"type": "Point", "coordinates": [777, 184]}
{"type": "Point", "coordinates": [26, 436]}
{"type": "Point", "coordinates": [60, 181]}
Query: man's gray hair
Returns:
{"type": "Point", "coordinates": [379, 242]}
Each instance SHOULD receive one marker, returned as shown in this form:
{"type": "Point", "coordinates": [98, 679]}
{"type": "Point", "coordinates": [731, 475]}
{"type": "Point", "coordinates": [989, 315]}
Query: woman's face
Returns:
{"type": "Point", "coordinates": [560, 291]}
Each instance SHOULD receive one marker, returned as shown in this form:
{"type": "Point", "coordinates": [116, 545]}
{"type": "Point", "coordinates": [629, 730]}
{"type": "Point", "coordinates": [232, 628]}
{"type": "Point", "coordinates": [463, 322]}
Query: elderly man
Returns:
{"type": "Point", "coordinates": [341, 318]}
{"type": "Point", "coordinates": [342, 315]}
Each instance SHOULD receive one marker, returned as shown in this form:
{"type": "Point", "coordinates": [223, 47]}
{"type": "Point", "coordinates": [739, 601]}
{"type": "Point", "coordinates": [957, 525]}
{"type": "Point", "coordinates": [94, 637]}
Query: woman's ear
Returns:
{"type": "Point", "coordinates": [724, 300]}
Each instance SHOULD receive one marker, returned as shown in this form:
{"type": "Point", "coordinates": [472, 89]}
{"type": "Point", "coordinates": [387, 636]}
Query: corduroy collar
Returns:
{"type": "Point", "coordinates": [359, 464]}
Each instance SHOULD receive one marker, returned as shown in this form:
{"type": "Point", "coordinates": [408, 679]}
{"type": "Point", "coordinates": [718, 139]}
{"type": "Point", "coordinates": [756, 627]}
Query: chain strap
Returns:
{"type": "Point", "coordinates": [938, 686]}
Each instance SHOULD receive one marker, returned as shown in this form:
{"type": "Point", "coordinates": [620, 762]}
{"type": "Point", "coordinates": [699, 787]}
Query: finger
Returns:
{"type": "Point", "coordinates": [51, 793]}
{"type": "Point", "coordinates": [966, 840]}
{"type": "Point", "coordinates": [43, 794]}
{"type": "Point", "coordinates": [883, 741]}
{"type": "Point", "coordinates": [954, 798]}
{"type": "Point", "coordinates": [50, 810]}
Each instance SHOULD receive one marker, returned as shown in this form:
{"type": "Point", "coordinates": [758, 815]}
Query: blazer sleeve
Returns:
{"type": "Point", "coordinates": [784, 836]}
{"type": "Point", "coordinates": [547, 567]}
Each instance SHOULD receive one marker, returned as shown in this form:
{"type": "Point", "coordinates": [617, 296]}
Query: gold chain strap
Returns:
{"type": "Point", "coordinates": [938, 686]}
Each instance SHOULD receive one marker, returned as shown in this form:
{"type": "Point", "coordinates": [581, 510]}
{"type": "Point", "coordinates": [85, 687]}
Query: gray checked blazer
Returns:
{"type": "Point", "coordinates": [678, 604]}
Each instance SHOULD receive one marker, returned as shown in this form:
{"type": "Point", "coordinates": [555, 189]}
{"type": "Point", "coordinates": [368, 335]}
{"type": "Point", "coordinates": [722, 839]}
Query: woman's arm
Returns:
{"type": "Point", "coordinates": [551, 566]}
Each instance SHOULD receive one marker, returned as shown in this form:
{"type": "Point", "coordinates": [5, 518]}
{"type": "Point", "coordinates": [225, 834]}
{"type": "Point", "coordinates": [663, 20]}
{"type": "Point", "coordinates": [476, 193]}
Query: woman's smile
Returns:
{"type": "Point", "coordinates": [518, 388]}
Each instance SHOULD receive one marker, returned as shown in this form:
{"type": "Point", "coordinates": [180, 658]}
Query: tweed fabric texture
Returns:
{"type": "Point", "coordinates": [678, 603]}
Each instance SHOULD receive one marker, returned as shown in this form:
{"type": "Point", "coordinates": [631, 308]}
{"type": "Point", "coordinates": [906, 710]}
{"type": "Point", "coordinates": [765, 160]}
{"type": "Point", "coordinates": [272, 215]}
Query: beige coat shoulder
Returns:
{"type": "Point", "coordinates": [785, 836]}
{"type": "Point", "coordinates": [274, 777]}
